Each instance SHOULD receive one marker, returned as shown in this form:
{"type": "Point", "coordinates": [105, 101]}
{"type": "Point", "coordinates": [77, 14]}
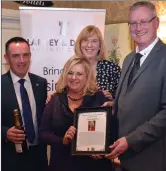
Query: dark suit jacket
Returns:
{"type": "Point", "coordinates": [10, 159]}
{"type": "Point", "coordinates": [57, 118]}
{"type": "Point", "coordinates": [141, 111]}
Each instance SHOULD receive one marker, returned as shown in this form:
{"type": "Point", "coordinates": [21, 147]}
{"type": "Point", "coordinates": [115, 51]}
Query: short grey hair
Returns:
{"type": "Point", "coordinates": [146, 4]}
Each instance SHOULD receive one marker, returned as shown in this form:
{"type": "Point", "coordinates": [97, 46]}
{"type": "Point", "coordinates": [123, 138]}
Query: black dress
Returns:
{"type": "Point", "coordinates": [108, 74]}
{"type": "Point", "coordinates": [57, 118]}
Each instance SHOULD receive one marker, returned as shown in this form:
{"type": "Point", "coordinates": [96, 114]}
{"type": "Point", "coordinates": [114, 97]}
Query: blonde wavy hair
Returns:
{"type": "Point", "coordinates": [88, 31]}
{"type": "Point", "coordinates": [90, 86]}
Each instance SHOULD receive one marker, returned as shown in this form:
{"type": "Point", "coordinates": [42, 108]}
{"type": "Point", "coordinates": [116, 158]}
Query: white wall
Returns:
{"type": "Point", "coordinates": [121, 33]}
{"type": "Point", "coordinates": [10, 28]}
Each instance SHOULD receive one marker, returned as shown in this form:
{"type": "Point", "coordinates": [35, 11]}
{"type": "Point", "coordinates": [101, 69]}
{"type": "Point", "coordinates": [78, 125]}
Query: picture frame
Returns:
{"type": "Point", "coordinates": [92, 131]}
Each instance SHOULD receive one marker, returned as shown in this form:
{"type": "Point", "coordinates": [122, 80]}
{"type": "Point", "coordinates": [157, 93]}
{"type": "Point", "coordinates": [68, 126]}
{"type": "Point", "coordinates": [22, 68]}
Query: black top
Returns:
{"type": "Point", "coordinates": [108, 74]}
{"type": "Point", "coordinates": [57, 118]}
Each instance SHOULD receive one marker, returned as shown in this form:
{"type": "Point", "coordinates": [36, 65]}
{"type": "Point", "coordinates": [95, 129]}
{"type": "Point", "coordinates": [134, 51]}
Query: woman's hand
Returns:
{"type": "Point", "coordinates": [69, 135]}
{"type": "Point", "coordinates": [109, 103]}
{"type": "Point", "coordinates": [49, 96]}
{"type": "Point", "coordinates": [107, 94]}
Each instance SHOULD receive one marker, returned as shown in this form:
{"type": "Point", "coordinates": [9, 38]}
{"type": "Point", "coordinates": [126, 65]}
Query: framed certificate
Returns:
{"type": "Point", "coordinates": [93, 131]}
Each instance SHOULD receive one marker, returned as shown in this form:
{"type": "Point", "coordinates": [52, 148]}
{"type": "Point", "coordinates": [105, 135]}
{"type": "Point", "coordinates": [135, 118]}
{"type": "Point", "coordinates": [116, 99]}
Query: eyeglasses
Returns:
{"type": "Point", "coordinates": [141, 23]}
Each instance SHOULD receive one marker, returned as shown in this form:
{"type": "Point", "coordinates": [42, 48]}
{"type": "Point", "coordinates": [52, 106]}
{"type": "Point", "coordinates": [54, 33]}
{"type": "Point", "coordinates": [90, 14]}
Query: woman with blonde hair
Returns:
{"type": "Point", "coordinates": [90, 44]}
{"type": "Point", "coordinates": [75, 88]}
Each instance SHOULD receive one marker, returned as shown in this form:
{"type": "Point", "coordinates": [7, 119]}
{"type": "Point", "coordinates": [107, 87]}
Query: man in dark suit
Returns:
{"type": "Point", "coordinates": [140, 103]}
{"type": "Point", "coordinates": [18, 57]}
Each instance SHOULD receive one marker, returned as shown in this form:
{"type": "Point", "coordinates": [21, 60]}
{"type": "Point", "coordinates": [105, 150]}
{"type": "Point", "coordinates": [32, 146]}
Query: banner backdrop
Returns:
{"type": "Point", "coordinates": [51, 33]}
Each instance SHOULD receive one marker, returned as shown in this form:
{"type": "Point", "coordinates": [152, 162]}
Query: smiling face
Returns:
{"type": "Point", "coordinates": [90, 47]}
{"type": "Point", "coordinates": [143, 34]}
{"type": "Point", "coordinates": [76, 78]}
{"type": "Point", "coordinates": [18, 57]}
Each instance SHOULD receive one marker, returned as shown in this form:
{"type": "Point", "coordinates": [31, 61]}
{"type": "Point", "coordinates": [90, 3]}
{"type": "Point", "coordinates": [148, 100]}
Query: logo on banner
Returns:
{"type": "Point", "coordinates": [63, 27]}
{"type": "Point", "coordinates": [59, 44]}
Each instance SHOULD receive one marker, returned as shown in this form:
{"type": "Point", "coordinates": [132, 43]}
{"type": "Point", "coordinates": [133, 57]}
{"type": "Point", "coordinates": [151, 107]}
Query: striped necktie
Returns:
{"type": "Point", "coordinates": [135, 67]}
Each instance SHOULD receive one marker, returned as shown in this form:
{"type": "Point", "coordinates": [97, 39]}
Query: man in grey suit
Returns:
{"type": "Point", "coordinates": [140, 103]}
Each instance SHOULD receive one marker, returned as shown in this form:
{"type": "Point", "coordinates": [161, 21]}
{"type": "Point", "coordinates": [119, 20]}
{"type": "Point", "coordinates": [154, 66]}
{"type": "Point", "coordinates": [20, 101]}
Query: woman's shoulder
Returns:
{"type": "Point", "coordinates": [100, 96]}
{"type": "Point", "coordinates": [57, 96]}
{"type": "Point", "coordinates": [95, 95]}
{"type": "Point", "coordinates": [99, 93]}
{"type": "Point", "coordinates": [107, 65]}
{"type": "Point", "coordinates": [107, 62]}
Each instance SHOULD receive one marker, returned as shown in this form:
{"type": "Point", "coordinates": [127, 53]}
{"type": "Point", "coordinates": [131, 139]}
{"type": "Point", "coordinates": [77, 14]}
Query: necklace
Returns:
{"type": "Point", "coordinates": [74, 99]}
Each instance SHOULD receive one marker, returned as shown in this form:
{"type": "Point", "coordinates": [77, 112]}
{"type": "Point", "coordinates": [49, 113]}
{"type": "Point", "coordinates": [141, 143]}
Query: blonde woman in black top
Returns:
{"type": "Point", "coordinates": [90, 44]}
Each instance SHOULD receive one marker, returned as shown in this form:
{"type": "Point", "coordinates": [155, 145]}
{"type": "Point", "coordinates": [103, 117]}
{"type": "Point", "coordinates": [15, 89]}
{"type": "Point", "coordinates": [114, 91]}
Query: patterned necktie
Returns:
{"type": "Point", "coordinates": [135, 67]}
{"type": "Point", "coordinates": [27, 113]}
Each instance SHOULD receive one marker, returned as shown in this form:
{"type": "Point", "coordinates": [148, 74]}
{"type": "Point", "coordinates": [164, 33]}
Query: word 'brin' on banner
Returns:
{"type": "Point", "coordinates": [36, 3]}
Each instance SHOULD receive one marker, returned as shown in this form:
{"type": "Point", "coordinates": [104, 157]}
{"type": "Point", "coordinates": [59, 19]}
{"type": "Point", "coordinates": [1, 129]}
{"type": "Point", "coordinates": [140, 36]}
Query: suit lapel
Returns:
{"type": "Point", "coordinates": [151, 57]}
{"type": "Point", "coordinates": [125, 69]}
{"type": "Point", "coordinates": [11, 95]}
{"type": "Point", "coordinates": [36, 91]}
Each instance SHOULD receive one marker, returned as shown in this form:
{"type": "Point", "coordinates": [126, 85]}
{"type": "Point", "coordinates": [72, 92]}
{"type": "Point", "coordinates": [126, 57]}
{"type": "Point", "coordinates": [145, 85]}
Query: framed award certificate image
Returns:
{"type": "Point", "coordinates": [92, 131]}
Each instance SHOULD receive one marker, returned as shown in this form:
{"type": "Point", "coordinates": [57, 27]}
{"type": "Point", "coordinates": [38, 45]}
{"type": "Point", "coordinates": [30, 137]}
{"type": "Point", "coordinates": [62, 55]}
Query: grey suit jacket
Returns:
{"type": "Point", "coordinates": [142, 112]}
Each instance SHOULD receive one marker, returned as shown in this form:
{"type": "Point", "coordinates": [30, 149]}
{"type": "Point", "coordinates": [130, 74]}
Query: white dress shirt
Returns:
{"type": "Point", "coordinates": [145, 52]}
{"type": "Point", "coordinates": [28, 87]}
